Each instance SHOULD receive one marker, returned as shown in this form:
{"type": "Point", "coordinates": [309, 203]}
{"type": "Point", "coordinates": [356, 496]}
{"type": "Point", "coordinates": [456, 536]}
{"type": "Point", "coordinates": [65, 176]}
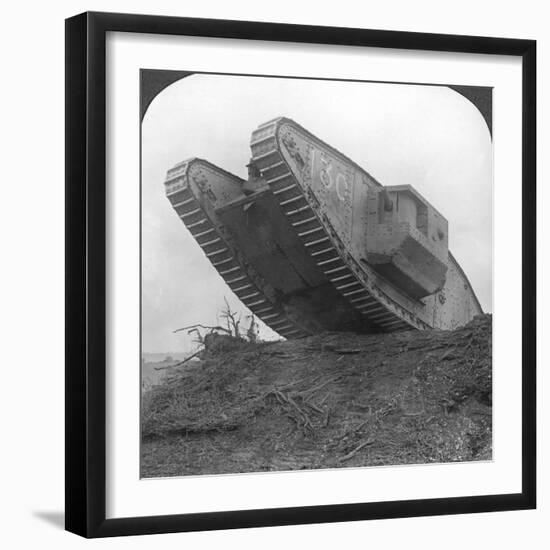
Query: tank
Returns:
{"type": "Point", "coordinates": [311, 242]}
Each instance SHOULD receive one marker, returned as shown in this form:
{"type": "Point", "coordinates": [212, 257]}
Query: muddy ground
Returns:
{"type": "Point", "coordinates": [331, 400]}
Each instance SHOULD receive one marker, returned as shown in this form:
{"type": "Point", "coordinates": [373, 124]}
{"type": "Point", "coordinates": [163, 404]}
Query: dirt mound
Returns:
{"type": "Point", "coordinates": [330, 400]}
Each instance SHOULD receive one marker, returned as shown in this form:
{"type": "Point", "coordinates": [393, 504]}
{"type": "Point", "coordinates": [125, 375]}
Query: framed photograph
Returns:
{"type": "Point", "coordinates": [300, 274]}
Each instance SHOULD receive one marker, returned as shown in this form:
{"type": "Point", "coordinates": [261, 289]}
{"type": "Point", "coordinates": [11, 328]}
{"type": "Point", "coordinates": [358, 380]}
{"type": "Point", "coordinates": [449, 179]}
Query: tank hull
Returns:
{"type": "Point", "coordinates": [294, 247]}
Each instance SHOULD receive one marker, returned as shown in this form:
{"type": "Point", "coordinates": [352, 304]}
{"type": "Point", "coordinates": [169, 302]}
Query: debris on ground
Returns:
{"type": "Point", "coordinates": [325, 401]}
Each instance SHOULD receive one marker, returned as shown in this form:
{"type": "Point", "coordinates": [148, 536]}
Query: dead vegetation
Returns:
{"type": "Point", "coordinates": [326, 401]}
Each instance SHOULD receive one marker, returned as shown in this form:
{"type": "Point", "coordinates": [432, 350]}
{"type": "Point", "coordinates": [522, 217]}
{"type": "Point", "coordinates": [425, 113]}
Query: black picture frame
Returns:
{"type": "Point", "coordinates": [86, 273]}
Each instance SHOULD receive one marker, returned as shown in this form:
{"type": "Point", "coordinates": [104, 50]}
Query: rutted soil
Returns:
{"type": "Point", "coordinates": [330, 400]}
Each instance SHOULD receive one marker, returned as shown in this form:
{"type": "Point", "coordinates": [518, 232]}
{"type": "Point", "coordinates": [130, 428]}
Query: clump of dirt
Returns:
{"type": "Point", "coordinates": [330, 400]}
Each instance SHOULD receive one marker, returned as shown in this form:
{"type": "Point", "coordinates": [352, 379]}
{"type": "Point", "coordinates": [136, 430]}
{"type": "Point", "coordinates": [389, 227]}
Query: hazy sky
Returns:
{"type": "Point", "coordinates": [426, 136]}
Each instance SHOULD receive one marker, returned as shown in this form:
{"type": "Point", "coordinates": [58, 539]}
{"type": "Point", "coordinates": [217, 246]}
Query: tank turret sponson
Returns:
{"type": "Point", "coordinates": [407, 240]}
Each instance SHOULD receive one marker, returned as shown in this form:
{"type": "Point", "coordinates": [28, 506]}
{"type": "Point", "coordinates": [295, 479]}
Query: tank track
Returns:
{"type": "Point", "coordinates": [319, 238]}
{"type": "Point", "coordinates": [222, 253]}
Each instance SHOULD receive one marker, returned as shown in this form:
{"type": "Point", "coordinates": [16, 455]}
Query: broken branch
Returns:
{"type": "Point", "coordinates": [357, 449]}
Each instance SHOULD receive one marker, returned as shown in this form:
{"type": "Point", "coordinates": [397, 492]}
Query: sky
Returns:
{"type": "Point", "coordinates": [429, 137]}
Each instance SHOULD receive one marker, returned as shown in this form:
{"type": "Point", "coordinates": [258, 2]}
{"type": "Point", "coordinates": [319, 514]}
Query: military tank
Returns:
{"type": "Point", "coordinates": [311, 242]}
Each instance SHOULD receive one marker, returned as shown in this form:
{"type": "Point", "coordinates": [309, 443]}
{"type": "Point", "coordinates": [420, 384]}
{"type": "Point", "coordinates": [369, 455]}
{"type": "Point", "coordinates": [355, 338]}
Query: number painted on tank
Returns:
{"type": "Point", "coordinates": [326, 173]}
{"type": "Point", "coordinates": [343, 189]}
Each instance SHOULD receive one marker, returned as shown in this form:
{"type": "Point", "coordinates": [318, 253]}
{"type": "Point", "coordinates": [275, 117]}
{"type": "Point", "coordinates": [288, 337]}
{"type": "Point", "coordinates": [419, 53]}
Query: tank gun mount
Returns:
{"type": "Point", "coordinates": [407, 240]}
